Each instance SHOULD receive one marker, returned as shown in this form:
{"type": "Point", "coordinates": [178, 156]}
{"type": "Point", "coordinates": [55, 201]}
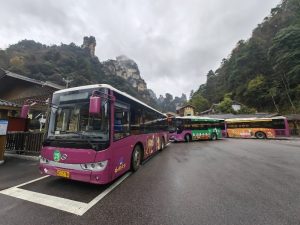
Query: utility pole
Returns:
{"type": "Point", "coordinates": [275, 104]}
{"type": "Point", "coordinates": [285, 83]}
{"type": "Point", "coordinates": [272, 92]}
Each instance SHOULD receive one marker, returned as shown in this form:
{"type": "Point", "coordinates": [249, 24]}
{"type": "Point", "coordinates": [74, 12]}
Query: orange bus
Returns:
{"type": "Point", "coordinates": [260, 128]}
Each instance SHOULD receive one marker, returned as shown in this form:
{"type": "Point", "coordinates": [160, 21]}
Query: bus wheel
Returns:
{"type": "Point", "coordinates": [136, 158]}
{"type": "Point", "coordinates": [214, 136]}
{"type": "Point", "coordinates": [187, 138]}
{"type": "Point", "coordinates": [260, 135]}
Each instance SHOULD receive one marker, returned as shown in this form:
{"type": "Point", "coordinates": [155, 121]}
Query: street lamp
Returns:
{"type": "Point", "coordinates": [67, 81]}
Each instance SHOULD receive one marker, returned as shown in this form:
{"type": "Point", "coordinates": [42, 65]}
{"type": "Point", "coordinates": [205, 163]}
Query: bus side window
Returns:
{"type": "Point", "coordinates": [121, 124]}
{"type": "Point", "coordinates": [150, 122]}
{"type": "Point", "coordinates": [136, 120]}
{"type": "Point", "coordinates": [278, 124]}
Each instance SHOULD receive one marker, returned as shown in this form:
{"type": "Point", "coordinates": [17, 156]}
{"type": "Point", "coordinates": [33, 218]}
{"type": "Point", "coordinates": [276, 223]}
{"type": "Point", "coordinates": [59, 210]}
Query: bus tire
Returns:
{"type": "Point", "coordinates": [187, 138]}
{"type": "Point", "coordinates": [136, 158]}
{"type": "Point", "coordinates": [214, 137]}
{"type": "Point", "coordinates": [260, 135]}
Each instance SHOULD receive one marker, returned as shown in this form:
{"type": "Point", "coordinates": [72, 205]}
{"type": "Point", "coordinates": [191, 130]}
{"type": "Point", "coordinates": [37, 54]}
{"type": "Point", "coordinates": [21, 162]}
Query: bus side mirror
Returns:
{"type": "Point", "coordinates": [24, 111]}
{"type": "Point", "coordinates": [95, 105]}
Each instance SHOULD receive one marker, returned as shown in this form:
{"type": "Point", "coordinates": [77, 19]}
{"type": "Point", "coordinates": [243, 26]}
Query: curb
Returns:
{"type": "Point", "coordinates": [26, 157]}
{"type": "Point", "coordinates": [289, 139]}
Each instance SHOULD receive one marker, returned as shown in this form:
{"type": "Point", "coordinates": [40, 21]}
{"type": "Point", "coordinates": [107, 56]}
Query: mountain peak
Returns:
{"type": "Point", "coordinates": [89, 43]}
{"type": "Point", "coordinates": [126, 68]}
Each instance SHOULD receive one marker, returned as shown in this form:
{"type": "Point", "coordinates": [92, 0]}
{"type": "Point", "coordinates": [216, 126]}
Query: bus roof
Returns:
{"type": "Point", "coordinates": [254, 119]}
{"type": "Point", "coordinates": [198, 118]}
{"type": "Point", "coordinates": [109, 87]}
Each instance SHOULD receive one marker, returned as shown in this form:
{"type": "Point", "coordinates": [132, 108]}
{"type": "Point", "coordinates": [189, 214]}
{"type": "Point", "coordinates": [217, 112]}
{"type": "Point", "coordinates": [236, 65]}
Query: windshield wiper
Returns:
{"type": "Point", "coordinates": [87, 138]}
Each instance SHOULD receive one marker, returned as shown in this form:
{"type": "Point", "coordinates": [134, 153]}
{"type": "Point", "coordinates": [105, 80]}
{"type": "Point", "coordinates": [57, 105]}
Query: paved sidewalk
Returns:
{"type": "Point", "coordinates": [21, 156]}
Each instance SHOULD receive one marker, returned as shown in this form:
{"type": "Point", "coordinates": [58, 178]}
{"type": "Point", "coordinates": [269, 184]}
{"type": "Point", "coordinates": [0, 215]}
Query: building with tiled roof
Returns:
{"type": "Point", "coordinates": [8, 108]}
{"type": "Point", "coordinates": [7, 104]}
{"type": "Point", "coordinates": [187, 110]}
{"type": "Point", "coordinates": [15, 89]}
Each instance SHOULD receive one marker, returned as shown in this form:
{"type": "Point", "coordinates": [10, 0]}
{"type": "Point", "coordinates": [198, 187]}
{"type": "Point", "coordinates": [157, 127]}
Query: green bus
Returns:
{"type": "Point", "coordinates": [189, 128]}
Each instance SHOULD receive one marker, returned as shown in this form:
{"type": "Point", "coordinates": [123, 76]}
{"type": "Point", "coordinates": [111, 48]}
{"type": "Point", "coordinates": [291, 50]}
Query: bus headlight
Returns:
{"type": "Point", "coordinates": [97, 166]}
{"type": "Point", "coordinates": [43, 160]}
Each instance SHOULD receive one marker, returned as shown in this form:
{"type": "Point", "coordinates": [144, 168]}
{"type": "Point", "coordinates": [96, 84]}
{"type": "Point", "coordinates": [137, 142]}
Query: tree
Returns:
{"type": "Point", "coordinates": [191, 94]}
{"type": "Point", "coordinates": [210, 74]}
{"type": "Point", "coordinates": [285, 53]}
{"type": "Point", "coordinates": [169, 97]}
{"type": "Point", "coordinates": [17, 61]}
{"type": "Point", "coordinates": [226, 105]}
{"type": "Point", "coordinates": [256, 84]}
{"type": "Point", "coordinates": [246, 110]}
{"type": "Point", "coordinates": [267, 61]}
{"type": "Point", "coordinates": [183, 97]}
{"type": "Point", "coordinates": [199, 102]}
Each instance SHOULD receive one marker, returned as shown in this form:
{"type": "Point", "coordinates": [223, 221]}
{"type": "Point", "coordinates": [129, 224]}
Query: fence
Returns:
{"type": "Point", "coordinates": [27, 143]}
{"type": "Point", "coordinates": [295, 132]}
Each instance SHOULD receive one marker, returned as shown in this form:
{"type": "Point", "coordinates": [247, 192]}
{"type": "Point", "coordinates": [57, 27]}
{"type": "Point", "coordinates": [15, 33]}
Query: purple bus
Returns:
{"type": "Point", "coordinates": [190, 128]}
{"type": "Point", "coordinates": [96, 133]}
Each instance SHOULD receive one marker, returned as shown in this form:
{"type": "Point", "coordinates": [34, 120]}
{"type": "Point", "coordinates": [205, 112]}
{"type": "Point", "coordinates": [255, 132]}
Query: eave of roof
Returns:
{"type": "Point", "coordinates": [198, 118]}
{"type": "Point", "coordinates": [21, 77]}
{"type": "Point", "coordinates": [8, 104]}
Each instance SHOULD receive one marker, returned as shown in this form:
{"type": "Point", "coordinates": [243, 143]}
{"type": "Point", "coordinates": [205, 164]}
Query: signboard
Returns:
{"type": "Point", "coordinates": [3, 127]}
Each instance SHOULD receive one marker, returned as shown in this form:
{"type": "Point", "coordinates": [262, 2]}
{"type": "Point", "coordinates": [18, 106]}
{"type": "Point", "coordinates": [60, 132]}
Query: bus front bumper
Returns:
{"type": "Point", "coordinates": [96, 177]}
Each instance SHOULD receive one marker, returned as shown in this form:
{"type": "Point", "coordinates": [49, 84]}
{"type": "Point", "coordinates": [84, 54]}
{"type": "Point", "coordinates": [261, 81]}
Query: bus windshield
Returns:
{"type": "Point", "coordinates": [71, 119]}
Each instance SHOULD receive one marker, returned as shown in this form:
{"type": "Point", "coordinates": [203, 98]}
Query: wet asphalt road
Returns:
{"type": "Point", "coordinates": [229, 181]}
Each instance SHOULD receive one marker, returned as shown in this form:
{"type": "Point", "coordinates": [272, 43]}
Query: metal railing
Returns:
{"type": "Point", "coordinates": [27, 143]}
{"type": "Point", "coordinates": [295, 132]}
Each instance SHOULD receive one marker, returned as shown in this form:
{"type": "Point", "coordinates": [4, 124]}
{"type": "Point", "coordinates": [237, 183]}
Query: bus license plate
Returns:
{"type": "Point", "coordinates": [63, 173]}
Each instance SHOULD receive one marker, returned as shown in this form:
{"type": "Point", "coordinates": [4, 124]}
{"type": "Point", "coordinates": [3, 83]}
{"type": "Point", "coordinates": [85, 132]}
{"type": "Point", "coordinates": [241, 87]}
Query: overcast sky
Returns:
{"type": "Point", "coordinates": [174, 42]}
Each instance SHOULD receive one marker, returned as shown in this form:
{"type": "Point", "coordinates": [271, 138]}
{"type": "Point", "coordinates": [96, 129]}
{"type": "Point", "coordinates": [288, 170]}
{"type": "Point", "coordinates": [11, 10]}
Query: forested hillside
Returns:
{"type": "Point", "coordinates": [76, 64]}
{"type": "Point", "coordinates": [262, 72]}
{"type": "Point", "coordinates": [56, 63]}
{"type": "Point", "coordinates": [169, 104]}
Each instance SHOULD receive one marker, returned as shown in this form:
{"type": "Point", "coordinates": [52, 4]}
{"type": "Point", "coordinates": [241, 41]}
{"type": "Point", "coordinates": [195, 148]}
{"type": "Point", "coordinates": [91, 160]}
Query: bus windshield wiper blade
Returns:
{"type": "Point", "coordinates": [87, 138]}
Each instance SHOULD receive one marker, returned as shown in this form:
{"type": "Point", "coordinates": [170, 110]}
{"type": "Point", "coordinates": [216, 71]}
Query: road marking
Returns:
{"type": "Point", "coordinates": [32, 181]}
{"type": "Point", "coordinates": [46, 200]}
{"type": "Point", "coordinates": [104, 193]}
{"type": "Point", "coordinates": [63, 204]}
